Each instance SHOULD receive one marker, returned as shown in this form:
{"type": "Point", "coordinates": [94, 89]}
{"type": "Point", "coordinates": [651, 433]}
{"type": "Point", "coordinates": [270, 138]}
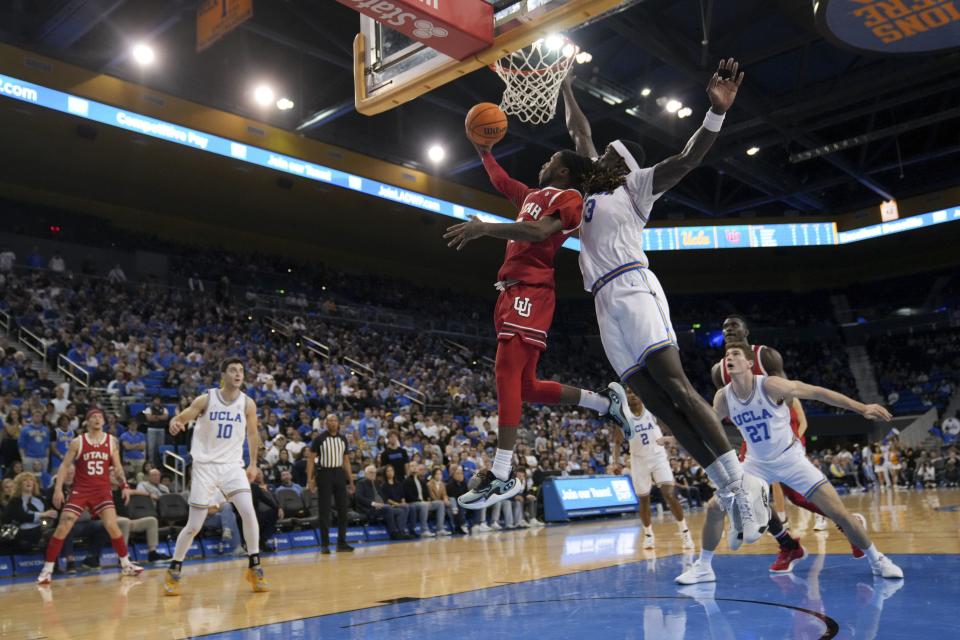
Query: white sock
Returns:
{"type": "Point", "coordinates": [731, 465]}
{"type": "Point", "coordinates": [873, 554]}
{"type": "Point", "coordinates": [593, 400]}
{"type": "Point", "coordinates": [502, 463]}
{"type": "Point", "coordinates": [48, 566]}
{"type": "Point", "coordinates": [706, 558]}
{"type": "Point", "coordinates": [648, 530]}
{"type": "Point", "coordinates": [682, 525]}
{"type": "Point", "coordinates": [782, 515]}
{"type": "Point", "coordinates": [717, 474]}
{"type": "Point", "coordinates": [124, 561]}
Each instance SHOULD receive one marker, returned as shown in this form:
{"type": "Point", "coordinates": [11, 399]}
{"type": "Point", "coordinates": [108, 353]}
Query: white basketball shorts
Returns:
{"type": "Point", "coordinates": [634, 320]}
{"type": "Point", "coordinates": [791, 468]}
{"type": "Point", "coordinates": [648, 469]}
{"type": "Point", "coordinates": [207, 479]}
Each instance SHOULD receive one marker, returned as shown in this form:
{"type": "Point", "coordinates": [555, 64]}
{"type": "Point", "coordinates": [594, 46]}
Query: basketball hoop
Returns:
{"type": "Point", "coordinates": [533, 76]}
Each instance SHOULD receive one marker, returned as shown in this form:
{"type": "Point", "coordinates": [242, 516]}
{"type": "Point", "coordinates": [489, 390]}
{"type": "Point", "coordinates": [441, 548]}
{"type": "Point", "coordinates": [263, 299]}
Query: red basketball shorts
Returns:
{"type": "Point", "coordinates": [525, 312]}
{"type": "Point", "coordinates": [96, 500]}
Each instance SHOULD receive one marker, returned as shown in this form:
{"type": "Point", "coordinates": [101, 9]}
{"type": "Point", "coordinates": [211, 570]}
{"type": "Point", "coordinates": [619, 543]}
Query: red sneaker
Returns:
{"type": "Point", "coordinates": [787, 558]}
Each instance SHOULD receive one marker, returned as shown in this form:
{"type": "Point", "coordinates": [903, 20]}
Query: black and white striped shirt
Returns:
{"type": "Point", "coordinates": [329, 450]}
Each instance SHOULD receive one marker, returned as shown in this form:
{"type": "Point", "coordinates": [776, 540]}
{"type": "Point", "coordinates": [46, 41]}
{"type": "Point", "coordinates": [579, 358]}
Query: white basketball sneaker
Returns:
{"type": "Point", "coordinates": [751, 509]}
{"type": "Point", "coordinates": [131, 569]}
{"type": "Point", "coordinates": [45, 577]}
{"type": "Point", "coordinates": [699, 572]}
{"type": "Point", "coordinates": [820, 523]}
{"type": "Point", "coordinates": [885, 568]}
{"type": "Point", "coordinates": [686, 540]}
{"type": "Point", "coordinates": [649, 541]}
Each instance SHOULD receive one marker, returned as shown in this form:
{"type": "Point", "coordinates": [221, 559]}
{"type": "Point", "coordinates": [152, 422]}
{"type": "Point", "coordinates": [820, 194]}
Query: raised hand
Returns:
{"type": "Point", "coordinates": [723, 85]}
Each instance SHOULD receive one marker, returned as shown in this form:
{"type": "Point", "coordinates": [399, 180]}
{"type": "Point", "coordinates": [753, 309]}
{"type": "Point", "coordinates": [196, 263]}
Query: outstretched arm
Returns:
{"type": "Point", "coordinates": [577, 124]}
{"type": "Point", "coordinates": [790, 389]}
{"type": "Point", "coordinates": [462, 233]}
{"type": "Point", "coordinates": [722, 90]}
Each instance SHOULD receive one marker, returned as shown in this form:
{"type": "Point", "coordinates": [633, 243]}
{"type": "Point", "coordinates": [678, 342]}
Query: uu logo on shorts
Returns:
{"type": "Point", "coordinates": [425, 30]}
{"type": "Point", "coordinates": [523, 307]}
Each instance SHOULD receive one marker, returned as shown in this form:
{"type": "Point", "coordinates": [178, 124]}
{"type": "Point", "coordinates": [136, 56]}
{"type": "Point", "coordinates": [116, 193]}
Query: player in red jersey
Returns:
{"type": "Point", "coordinates": [96, 454]}
{"type": "Point", "coordinates": [547, 216]}
{"type": "Point", "coordinates": [769, 361]}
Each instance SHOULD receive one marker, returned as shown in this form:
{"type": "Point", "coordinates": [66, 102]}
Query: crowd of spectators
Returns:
{"type": "Point", "coordinates": [419, 412]}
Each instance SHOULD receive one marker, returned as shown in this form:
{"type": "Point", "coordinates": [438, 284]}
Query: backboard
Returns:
{"type": "Point", "coordinates": [391, 69]}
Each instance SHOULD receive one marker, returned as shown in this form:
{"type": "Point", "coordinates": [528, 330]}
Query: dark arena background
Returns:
{"type": "Point", "coordinates": [188, 182]}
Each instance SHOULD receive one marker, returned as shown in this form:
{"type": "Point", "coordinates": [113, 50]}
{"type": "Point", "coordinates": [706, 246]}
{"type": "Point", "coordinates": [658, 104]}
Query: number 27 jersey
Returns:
{"type": "Point", "coordinates": [220, 431]}
{"type": "Point", "coordinates": [764, 424]}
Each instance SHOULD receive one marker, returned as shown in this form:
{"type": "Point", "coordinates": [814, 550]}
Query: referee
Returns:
{"type": "Point", "coordinates": [328, 470]}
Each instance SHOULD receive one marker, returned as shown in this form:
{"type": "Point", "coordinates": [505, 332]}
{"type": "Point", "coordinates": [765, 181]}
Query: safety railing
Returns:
{"type": "Point", "coordinates": [5, 322]}
{"type": "Point", "coordinates": [176, 465]}
{"type": "Point", "coordinates": [72, 370]}
{"type": "Point", "coordinates": [32, 342]}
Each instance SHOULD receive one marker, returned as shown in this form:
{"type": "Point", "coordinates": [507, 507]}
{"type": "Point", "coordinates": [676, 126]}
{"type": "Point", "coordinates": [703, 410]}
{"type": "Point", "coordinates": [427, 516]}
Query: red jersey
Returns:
{"type": "Point", "coordinates": [531, 263]}
{"type": "Point", "coordinates": [760, 371]}
{"type": "Point", "coordinates": [93, 466]}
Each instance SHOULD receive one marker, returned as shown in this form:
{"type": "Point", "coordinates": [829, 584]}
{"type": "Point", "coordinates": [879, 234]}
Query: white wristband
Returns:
{"type": "Point", "coordinates": [712, 121]}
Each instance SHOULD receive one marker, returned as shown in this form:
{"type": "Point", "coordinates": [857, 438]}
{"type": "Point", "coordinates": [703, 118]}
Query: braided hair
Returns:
{"type": "Point", "coordinates": [606, 180]}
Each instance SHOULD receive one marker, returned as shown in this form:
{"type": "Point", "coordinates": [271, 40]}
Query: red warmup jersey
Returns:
{"type": "Point", "coordinates": [92, 466]}
{"type": "Point", "coordinates": [531, 263]}
{"type": "Point", "coordinates": [760, 371]}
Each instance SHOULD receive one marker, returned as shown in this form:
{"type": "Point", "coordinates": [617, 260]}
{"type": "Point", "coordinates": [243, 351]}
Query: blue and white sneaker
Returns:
{"type": "Point", "coordinates": [619, 410]}
{"type": "Point", "coordinates": [487, 489]}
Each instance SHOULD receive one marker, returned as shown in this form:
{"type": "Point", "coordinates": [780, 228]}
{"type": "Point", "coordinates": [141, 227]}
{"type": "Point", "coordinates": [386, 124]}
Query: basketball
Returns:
{"type": "Point", "coordinates": [486, 124]}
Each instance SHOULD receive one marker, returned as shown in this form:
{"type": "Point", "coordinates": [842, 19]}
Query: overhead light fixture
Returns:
{"type": "Point", "coordinates": [673, 106]}
{"type": "Point", "coordinates": [752, 151]}
{"type": "Point", "coordinates": [584, 57]}
{"type": "Point", "coordinates": [436, 153]}
{"type": "Point", "coordinates": [645, 91]}
{"type": "Point", "coordinates": [284, 104]}
{"type": "Point", "coordinates": [554, 42]}
{"type": "Point", "coordinates": [263, 95]}
{"type": "Point", "coordinates": [686, 112]}
{"type": "Point", "coordinates": [143, 54]}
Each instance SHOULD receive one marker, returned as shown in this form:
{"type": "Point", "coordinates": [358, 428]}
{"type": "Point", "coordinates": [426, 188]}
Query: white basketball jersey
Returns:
{"type": "Point", "coordinates": [611, 234]}
{"type": "Point", "coordinates": [220, 431]}
{"type": "Point", "coordinates": [764, 425]}
{"type": "Point", "coordinates": [646, 432]}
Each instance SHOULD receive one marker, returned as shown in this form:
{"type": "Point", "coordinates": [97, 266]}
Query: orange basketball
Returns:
{"type": "Point", "coordinates": [486, 124]}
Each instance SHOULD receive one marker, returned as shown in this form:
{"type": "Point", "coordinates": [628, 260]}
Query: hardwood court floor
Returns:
{"type": "Point", "coordinates": [307, 584]}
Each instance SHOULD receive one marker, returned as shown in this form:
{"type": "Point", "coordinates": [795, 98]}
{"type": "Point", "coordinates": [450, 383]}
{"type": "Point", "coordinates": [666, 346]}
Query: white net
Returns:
{"type": "Point", "coordinates": [533, 76]}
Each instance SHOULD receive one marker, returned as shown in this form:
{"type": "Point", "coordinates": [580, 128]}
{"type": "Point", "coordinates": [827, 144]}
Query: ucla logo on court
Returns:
{"type": "Point", "coordinates": [523, 307]}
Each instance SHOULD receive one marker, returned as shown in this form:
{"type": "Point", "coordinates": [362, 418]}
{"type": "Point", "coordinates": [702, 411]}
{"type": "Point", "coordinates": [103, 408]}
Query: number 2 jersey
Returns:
{"type": "Point", "coordinates": [646, 432]}
{"type": "Point", "coordinates": [220, 431]}
{"type": "Point", "coordinates": [764, 424]}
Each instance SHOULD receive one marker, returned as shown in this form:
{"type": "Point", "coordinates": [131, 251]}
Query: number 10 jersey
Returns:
{"type": "Point", "coordinates": [220, 431]}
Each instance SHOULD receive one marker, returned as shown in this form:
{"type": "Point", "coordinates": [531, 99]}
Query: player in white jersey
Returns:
{"type": "Point", "coordinates": [650, 465]}
{"type": "Point", "coordinates": [225, 419]}
{"type": "Point", "coordinates": [759, 406]}
{"type": "Point", "coordinates": [632, 309]}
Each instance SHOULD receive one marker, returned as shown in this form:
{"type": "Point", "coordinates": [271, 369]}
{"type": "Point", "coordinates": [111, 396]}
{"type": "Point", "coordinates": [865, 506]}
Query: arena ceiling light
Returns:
{"type": "Point", "coordinates": [554, 42]}
{"type": "Point", "coordinates": [263, 95]}
{"type": "Point", "coordinates": [436, 153]}
{"type": "Point", "coordinates": [285, 104]}
{"type": "Point", "coordinates": [673, 106]}
{"type": "Point", "coordinates": [646, 91]}
{"type": "Point", "coordinates": [143, 54]}
{"type": "Point", "coordinates": [752, 151]}
{"type": "Point", "coordinates": [686, 112]}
